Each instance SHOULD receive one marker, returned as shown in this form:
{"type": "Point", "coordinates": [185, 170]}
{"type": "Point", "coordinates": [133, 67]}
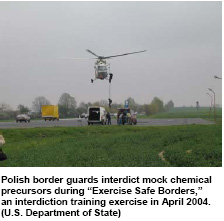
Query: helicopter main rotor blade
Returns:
{"type": "Point", "coordinates": [123, 54]}
{"type": "Point", "coordinates": [92, 53]}
{"type": "Point", "coordinates": [66, 58]}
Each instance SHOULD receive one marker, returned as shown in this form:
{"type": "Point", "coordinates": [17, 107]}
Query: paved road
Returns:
{"type": "Point", "coordinates": [83, 122]}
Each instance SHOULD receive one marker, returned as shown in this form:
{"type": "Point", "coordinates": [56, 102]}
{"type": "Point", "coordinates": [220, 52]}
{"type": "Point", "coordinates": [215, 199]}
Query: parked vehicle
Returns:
{"type": "Point", "coordinates": [96, 115]}
{"type": "Point", "coordinates": [50, 112]}
{"type": "Point", "coordinates": [22, 117]}
{"type": "Point", "coordinates": [133, 119]}
{"type": "Point", "coordinates": [83, 115]}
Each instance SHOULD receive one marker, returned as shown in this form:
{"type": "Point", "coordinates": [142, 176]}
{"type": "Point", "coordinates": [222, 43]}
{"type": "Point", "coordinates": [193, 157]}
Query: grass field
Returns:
{"type": "Point", "coordinates": [188, 112]}
{"type": "Point", "coordinates": [114, 146]}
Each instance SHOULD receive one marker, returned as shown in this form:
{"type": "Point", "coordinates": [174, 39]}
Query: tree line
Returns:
{"type": "Point", "coordinates": [68, 107]}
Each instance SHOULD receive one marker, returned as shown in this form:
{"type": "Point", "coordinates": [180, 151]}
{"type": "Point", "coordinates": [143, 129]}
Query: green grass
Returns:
{"type": "Point", "coordinates": [187, 112]}
{"type": "Point", "coordinates": [114, 146]}
{"type": "Point", "coordinates": [7, 120]}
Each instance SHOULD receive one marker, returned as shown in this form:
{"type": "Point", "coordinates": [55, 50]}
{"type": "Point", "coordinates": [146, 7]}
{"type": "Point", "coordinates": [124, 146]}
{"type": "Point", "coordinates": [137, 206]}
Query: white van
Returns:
{"type": "Point", "coordinates": [96, 115]}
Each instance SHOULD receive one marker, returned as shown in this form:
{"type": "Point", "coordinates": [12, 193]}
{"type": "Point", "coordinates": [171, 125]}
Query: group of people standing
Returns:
{"type": "Point", "coordinates": [120, 118]}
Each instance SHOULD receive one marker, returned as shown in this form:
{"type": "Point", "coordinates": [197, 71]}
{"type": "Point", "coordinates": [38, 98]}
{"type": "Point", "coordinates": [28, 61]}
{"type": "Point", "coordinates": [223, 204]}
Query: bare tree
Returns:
{"type": "Point", "coordinates": [23, 109]}
{"type": "Point", "coordinates": [132, 104]}
{"type": "Point", "coordinates": [5, 107]}
{"type": "Point", "coordinates": [67, 105]}
{"type": "Point", "coordinates": [38, 102]}
{"type": "Point", "coordinates": [169, 105]}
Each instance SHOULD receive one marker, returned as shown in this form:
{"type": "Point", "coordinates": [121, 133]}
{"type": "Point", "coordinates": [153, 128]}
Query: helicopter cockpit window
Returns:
{"type": "Point", "coordinates": [102, 68]}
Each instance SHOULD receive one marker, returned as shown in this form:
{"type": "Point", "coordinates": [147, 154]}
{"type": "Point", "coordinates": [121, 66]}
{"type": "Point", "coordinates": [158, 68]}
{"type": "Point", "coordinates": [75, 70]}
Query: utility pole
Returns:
{"type": "Point", "coordinates": [211, 105]}
{"type": "Point", "coordinates": [214, 103]}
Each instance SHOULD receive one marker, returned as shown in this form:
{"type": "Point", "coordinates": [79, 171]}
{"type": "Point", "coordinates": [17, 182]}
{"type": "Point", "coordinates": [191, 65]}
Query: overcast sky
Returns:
{"type": "Point", "coordinates": [183, 42]}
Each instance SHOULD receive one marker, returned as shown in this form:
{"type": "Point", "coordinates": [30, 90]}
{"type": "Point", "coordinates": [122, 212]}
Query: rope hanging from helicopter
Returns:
{"type": "Point", "coordinates": [110, 101]}
{"type": "Point", "coordinates": [110, 78]}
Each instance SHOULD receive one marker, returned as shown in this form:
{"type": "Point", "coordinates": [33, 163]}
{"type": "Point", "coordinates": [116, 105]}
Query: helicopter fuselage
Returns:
{"type": "Point", "coordinates": [101, 69]}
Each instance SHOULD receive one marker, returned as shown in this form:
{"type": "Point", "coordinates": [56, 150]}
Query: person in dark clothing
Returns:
{"type": "Point", "coordinates": [2, 155]}
{"type": "Point", "coordinates": [110, 102]}
{"type": "Point", "coordinates": [108, 118]}
{"type": "Point", "coordinates": [110, 78]}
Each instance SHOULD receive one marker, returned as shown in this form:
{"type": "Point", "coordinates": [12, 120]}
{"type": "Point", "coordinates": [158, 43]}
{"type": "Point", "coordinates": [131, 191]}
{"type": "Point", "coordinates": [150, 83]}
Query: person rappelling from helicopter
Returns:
{"type": "Point", "coordinates": [110, 78]}
{"type": "Point", "coordinates": [110, 102]}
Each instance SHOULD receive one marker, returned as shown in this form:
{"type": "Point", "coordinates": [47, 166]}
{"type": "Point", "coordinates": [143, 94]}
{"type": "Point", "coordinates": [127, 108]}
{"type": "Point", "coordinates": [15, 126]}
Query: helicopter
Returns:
{"type": "Point", "coordinates": [102, 68]}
